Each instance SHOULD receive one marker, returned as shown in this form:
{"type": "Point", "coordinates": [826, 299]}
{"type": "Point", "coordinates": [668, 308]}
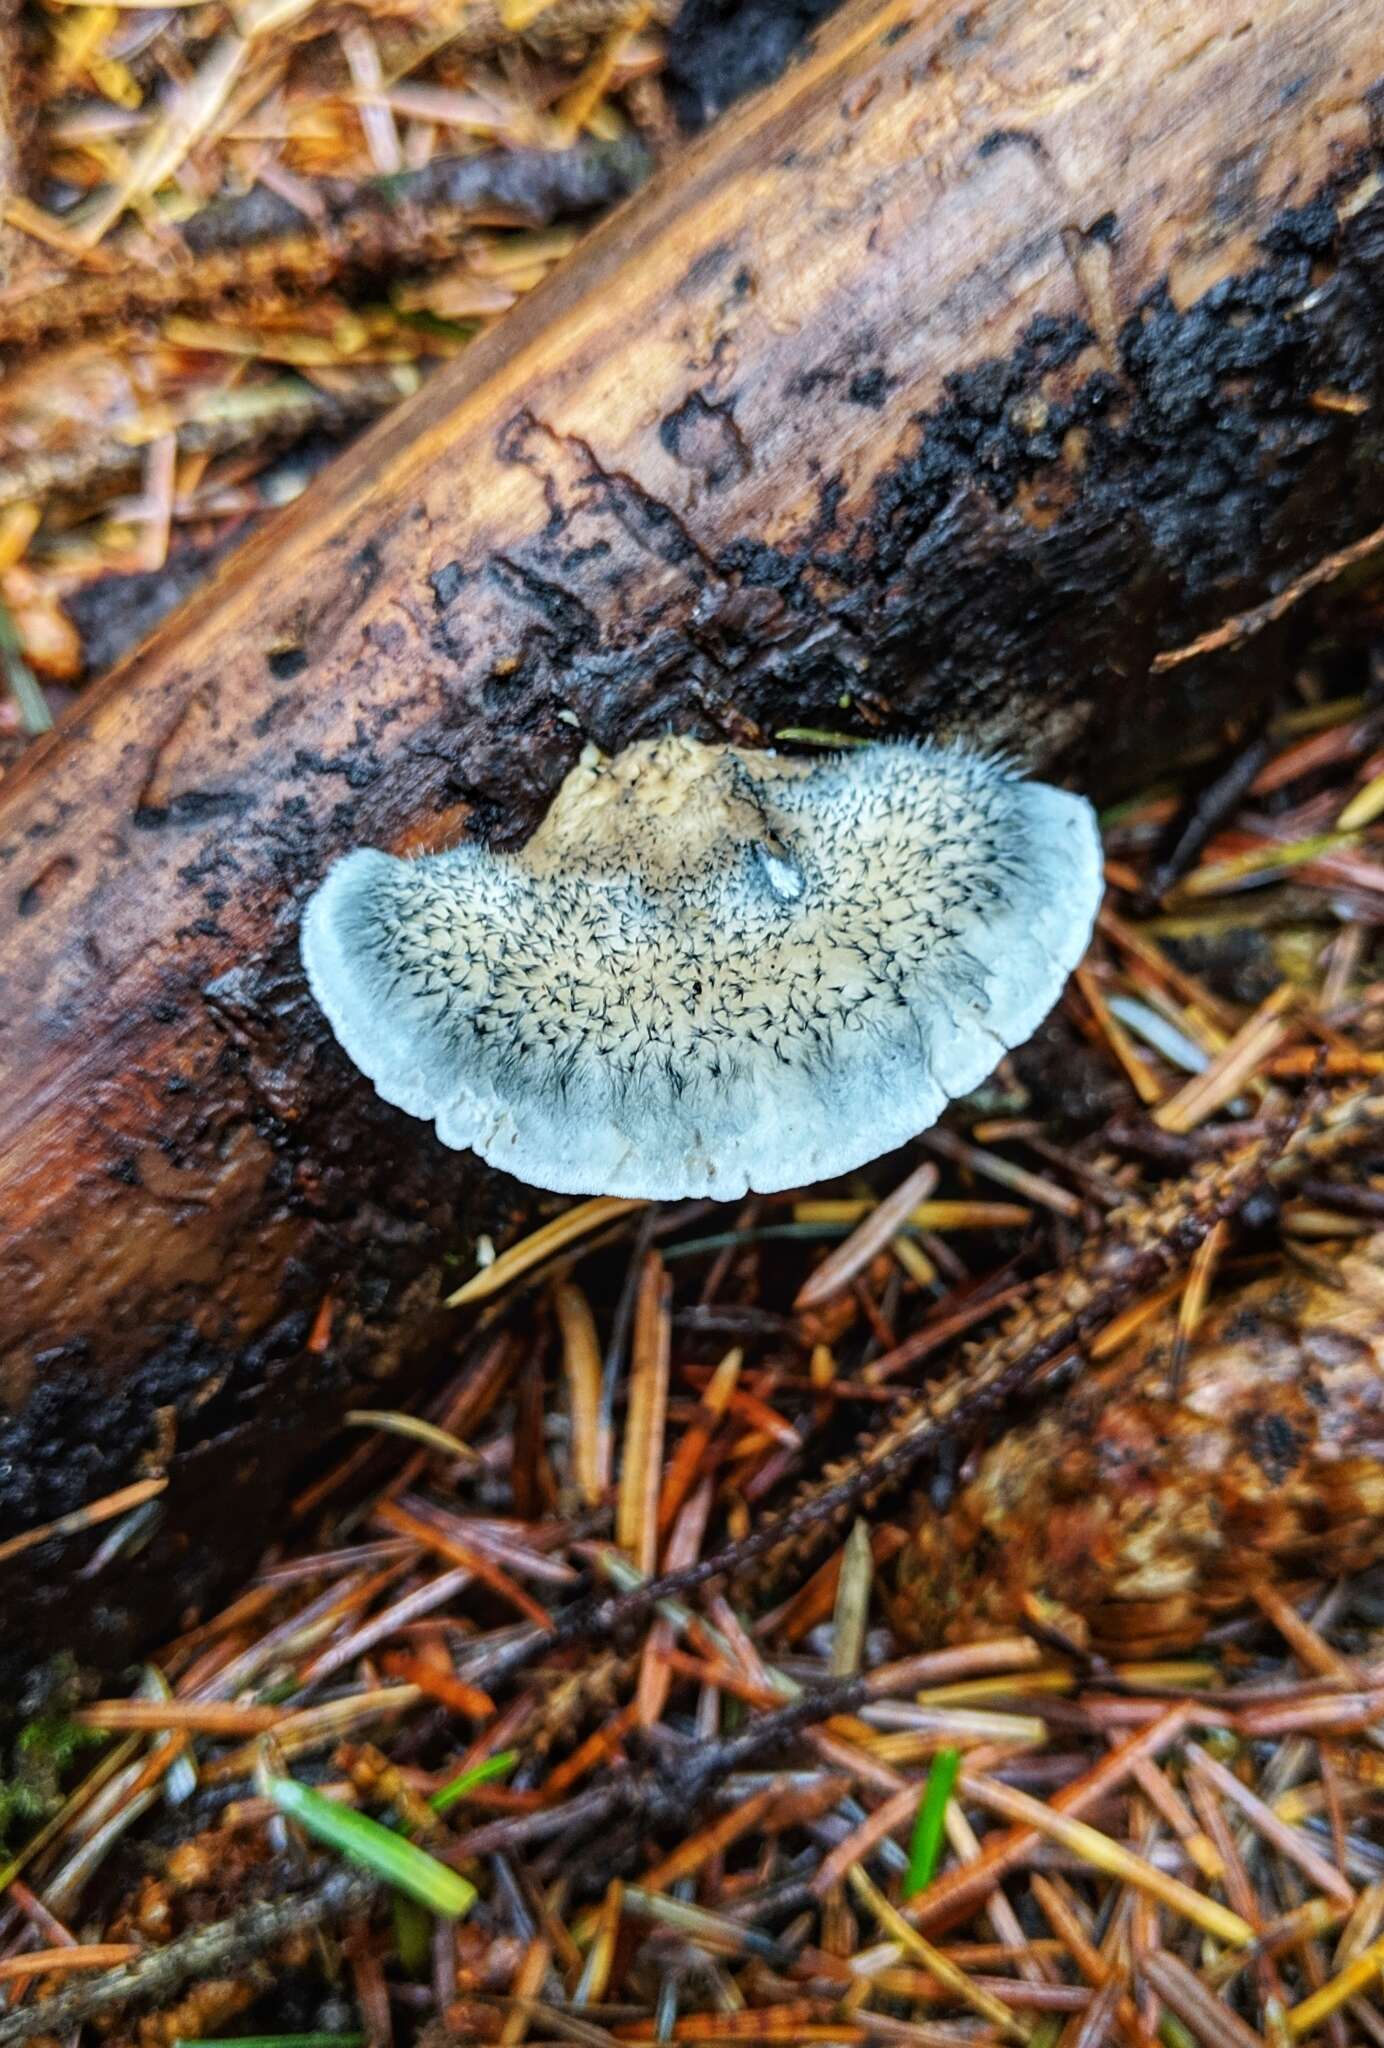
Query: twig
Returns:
{"type": "Point", "coordinates": [1141, 1247]}
{"type": "Point", "coordinates": [1205, 811]}
{"type": "Point", "coordinates": [1144, 1244]}
{"type": "Point", "coordinates": [259, 245]}
{"type": "Point", "coordinates": [206, 1951]}
{"type": "Point", "coordinates": [268, 417]}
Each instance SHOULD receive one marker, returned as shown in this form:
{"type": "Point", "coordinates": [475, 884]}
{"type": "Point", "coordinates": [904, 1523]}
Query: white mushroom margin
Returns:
{"type": "Point", "coordinates": [712, 970]}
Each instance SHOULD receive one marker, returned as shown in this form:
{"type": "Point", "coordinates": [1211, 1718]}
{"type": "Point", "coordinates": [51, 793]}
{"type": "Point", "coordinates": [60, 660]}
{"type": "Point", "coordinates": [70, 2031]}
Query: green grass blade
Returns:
{"type": "Point", "coordinates": [412, 1936]}
{"type": "Point", "coordinates": [378, 1849]}
{"type": "Point", "coordinates": [927, 1828]}
{"type": "Point", "coordinates": [482, 1773]}
{"type": "Point", "coordinates": [277, 2041]}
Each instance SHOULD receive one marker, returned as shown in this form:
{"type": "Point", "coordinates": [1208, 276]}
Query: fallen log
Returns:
{"type": "Point", "coordinates": [980, 362]}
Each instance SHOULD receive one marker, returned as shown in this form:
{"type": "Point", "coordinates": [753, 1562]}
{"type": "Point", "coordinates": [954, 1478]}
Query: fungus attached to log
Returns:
{"type": "Point", "coordinates": [712, 969]}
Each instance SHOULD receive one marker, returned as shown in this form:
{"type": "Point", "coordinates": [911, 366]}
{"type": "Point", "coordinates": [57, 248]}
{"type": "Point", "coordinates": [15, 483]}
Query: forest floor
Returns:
{"type": "Point", "coordinates": [697, 1660]}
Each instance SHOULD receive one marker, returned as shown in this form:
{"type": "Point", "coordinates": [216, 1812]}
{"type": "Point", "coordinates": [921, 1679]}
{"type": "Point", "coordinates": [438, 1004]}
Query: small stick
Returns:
{"type": "Point", "coordinates": [1208, 808]}
{"type": "Point", "coordinates": [394, 224]}
{"type": "Point", "coordinates": [218, 1950]}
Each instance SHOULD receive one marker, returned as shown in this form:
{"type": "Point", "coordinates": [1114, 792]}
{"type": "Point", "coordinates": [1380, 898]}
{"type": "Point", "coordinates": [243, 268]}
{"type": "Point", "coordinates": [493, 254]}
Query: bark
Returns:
{"type": "Point", "coordinates": [982, 360]}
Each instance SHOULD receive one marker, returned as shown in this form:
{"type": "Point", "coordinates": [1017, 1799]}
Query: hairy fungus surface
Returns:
{"type": "Point", "coordinates": [712, 970]}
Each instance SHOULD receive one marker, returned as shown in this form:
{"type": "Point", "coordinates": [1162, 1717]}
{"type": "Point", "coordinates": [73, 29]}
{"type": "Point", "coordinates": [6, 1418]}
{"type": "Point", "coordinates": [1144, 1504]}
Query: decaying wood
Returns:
{"type": "Point", "coordinates": [1138, 1512]}
{"type": "Point", "coordinates": [981, 361]}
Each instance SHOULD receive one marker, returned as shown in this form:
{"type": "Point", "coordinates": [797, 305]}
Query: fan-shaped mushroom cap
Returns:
{"type": "Point", "coordinates": [711, 970]}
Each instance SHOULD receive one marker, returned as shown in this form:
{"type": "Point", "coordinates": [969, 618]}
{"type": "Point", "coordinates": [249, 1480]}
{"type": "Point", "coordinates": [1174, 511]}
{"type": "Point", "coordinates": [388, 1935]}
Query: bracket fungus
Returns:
{"type": "Point", "coordinates": [712, 970]}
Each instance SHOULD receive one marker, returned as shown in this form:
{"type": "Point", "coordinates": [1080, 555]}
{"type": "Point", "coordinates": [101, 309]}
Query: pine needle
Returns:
{"type": "Point", "coordinates": [546, 1243]}
{"type": "Point", "coordinates": [371, 1847]}
{"type": "Point", "coordinates": [929, 1826]}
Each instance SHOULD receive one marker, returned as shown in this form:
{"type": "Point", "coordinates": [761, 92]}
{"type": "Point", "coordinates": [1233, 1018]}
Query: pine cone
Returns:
{"type": "Point", "coordinates": [1139, 1513]}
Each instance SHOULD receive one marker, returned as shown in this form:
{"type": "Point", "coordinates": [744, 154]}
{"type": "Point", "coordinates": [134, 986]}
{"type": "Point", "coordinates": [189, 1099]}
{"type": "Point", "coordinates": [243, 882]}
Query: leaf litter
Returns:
{"type": "Point", "coordinates": [232, 231]}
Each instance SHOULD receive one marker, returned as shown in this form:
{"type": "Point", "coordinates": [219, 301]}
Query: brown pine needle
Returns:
{"type": "Point", "coordinates": [582, 1365]}
{"type": "Point", "coordinates": [545, 1243]}
{"type": "Point", "coordinates": [1103, 1853]}
{"type": "Point", "coordinates": [636, 1515]}
{"type": "Point", "coordinates": [45, 1962]}
{"type": "Point", "coordinates": [692, 1444]}
{"type": "Point", "coordinates": [1117, 1333]}
{"type": "Point", "coordinates": [201, 1717]}
{"type": "Point", "coordinates": [1062, 1918]}
{"type": "Point", "coordinates": [1201, 1276]}
{"type": "Point", "coordinates": [870, 1237]}
{"type": "Point", "coordinates": [439, 1684]}
{"type": "Point", "coordinates": [1166, 1801]}
{"type": "Point", "coordinates": [1092, 2030]}
{"type": "Point", "coordinates": [1197, 2006]}
{"type": "Point", "coordinates": [1231, 1070]}
{"type": "Point", "coordinates": [446, 1545]}
{"type": "Point", "coordinates": [1244, 624]}
{"type": "Point", "coordinates": [1139, 946]}
{"type": "Point", "coordinates": [528, 1983]}
{"type": "Point", "coordinates": [1310, 1647]}
{"type": "Point", "coordinates": [930, 1215]}
{"type": "Point", "coordinates": [1287, 1840]}
{"type": "Point", "coordinates": [89, 1517]}
{"type": "Point", "coordinates": [990, 1166]}
{"type": "Point", "coordinates": [1146, 1085]}
{"type": "Point", "coordinates": [699, 1848]}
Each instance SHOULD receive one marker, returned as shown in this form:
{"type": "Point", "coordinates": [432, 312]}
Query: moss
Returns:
{"type": "Point", "coordinates": [43, 1751]}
